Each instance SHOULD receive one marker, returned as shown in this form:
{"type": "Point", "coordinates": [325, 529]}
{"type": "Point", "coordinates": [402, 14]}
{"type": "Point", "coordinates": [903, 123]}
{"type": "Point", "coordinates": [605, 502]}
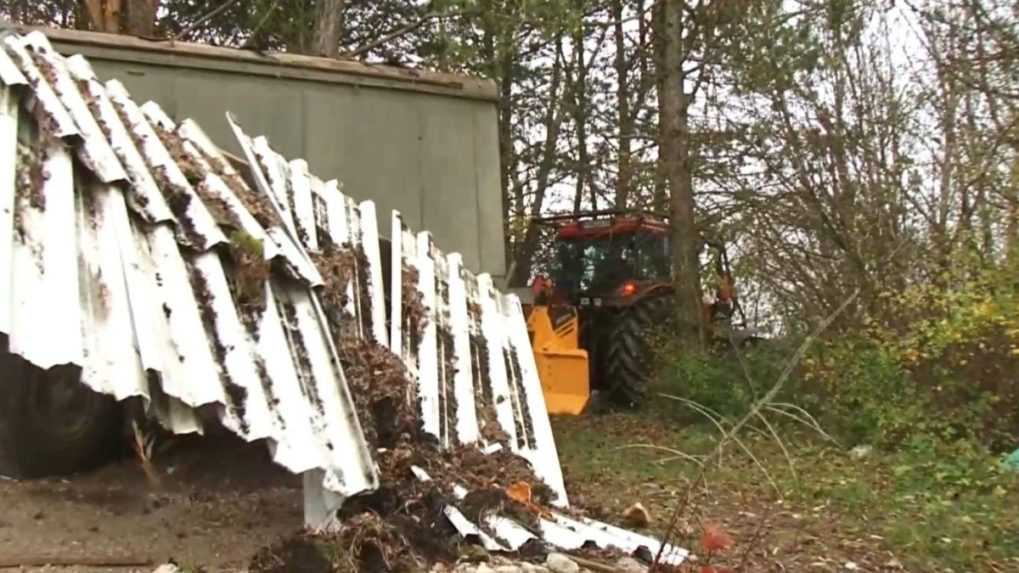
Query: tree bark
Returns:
{"type": "Point", "coordinates": [553, 122]}
{"type": "Point", "coordinates": [660, 200]}
{"type": "Point", "coordinates": [624, 166]}
{"type": "Point", "coordinates": [134, 17]}
{"type": "Point", "coordinates": [104, 15]}
{"type": "Point", "coordinates": [673, 111]}
{"type": "Point", "coordinates": [328, 28]}
{"type": "Point", "coordinates": [140, 17]}
{"type": "Point", "coordinates": [580, 118]}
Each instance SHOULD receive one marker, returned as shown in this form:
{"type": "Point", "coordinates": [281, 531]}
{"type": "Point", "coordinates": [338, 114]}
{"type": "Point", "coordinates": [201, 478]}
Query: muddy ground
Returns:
{"type": "Point", "coordinates": [217, 502]}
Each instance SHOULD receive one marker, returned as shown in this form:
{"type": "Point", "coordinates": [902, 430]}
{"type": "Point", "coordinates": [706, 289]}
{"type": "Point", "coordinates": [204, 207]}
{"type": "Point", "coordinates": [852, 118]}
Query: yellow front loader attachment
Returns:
{"type": "Point", "coordinates": [562, 365]}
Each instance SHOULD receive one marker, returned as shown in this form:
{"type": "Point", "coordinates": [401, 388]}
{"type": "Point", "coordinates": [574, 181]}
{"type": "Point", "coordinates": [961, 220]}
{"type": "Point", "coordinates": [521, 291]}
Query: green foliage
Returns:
{"type": "Point", "coordinates": [942, 369]}
{"type": "Point", "coordinates": [861, 392]}
{"type": "Point", "coordinates": [718, 381]}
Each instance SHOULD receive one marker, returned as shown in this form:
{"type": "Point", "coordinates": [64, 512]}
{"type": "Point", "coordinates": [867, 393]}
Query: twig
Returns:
{"type": "Point", "coordinates": [249, 43]}
{"type": "Point", "coordinates": [703, 410]}
{"type": "Point", "coordinates": [757, 463]}
{"type": "Point", "coordinates": [210, 15]}
{"type": "Point", "coordinates": [791, 365]}
{"type": "Point", "coordinates": [758, 535]}
{"type": "Point", "coordinates": [743, 363]}
{"type": "Point", "coordinates": [144, 447]}
{"type": "Point", "coordinates": [401, 31]}
{"type": "Point", "coordinates": [20, 562]}
{"type": "Point", "coordinates": [677, 454]}
{"type": "Point", "coordinates": [781, 444]}
{"type": "Point", "coordinates": [755, 411]}
{"type": "Point", "coordinates": [807, 420]}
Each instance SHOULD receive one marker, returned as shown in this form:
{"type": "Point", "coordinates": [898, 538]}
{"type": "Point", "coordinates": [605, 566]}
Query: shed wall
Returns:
{"type": "Point", "coordinates": [431, 155]}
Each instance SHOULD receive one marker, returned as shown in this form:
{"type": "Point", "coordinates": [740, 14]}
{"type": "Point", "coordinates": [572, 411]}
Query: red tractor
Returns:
{"type": "Point", "coordinates": [612, 270]}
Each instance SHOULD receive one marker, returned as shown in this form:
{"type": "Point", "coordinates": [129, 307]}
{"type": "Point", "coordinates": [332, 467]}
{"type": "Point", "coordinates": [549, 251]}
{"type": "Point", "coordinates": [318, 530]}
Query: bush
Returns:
{"type": "Point", "coordinates": [942, 369]}
{"type": "Point", "coordinates": [861, 393]}
{"type": "Point", "coordinates": [717, 380]}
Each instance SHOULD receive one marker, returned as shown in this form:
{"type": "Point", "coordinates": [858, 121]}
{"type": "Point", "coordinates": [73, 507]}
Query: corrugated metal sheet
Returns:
{"type": "Point", "coordinates": [133, 247]}
{"type": "Point", "coordinates": [470, 355]}
{"type": "Point", "coordinates": [117, 260]}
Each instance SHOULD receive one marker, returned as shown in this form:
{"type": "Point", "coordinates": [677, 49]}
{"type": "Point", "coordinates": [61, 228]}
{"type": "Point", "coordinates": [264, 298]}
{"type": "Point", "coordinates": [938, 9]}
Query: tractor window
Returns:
{"type": "Point", "coordinates": [600, 265]}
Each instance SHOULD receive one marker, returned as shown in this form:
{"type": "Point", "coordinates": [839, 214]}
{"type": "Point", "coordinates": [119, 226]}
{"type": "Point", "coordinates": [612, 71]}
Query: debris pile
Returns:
{"type": "Point", "coordinates": [402, 525]}
{"type": "Point", "coordinates": [261, 295]}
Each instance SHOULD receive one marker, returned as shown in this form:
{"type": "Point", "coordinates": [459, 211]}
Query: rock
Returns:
{"type": "Point", "coordinates": [893, 563]}
{"type": "Point", "coordinates": [559, 563]}
{"type": "Point", "coordinates": [474, 554]}
{"type": "Point", "coordinates": [630, 565]}
{"type": "Point", "coordinates": [167, 568]}
{"type": "Point", "coordinates": [860, 452]}
{"type": "Point", "coordinates": [484, 568]}
{"type": "Point", "coordinates": [636, 516]}
{"type": "Point", "coordinates": [508, 569]}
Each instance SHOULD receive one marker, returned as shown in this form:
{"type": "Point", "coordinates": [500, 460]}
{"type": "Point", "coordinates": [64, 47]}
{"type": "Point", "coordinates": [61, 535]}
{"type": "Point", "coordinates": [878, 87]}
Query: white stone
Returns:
{"type": "Point", "coordinates": [559, 563]}
{"type": "Point", "coordinates": [860, 452]}
{"type": "Point", "coordinates": [167, 568]}
{"type": "Point", "coordinates": [630, 565]}
{"type": "Point", "coordinates": [508, 569]}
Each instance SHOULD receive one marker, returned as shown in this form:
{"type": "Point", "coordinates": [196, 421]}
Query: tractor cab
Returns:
{"type": "Point", "coordinates": [603, 298]}
{"type": "Point", "coordinates": [607, 258]}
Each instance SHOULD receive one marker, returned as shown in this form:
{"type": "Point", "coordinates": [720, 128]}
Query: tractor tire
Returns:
{"type": "Point", "coordinates": [628, 364]}
{"type": "Point", "coordinates": [50, 423]}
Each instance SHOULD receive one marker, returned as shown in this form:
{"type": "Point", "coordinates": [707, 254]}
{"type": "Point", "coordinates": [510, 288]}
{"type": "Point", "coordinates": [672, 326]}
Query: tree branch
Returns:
{"type": "Point", "coordinates": [210, 15]}
{"type": "Point", "coordinates": [404, 31]}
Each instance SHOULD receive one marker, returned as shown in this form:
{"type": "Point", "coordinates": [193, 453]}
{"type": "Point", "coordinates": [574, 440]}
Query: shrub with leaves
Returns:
{"type": "Point", "coordinates": [719, 381]}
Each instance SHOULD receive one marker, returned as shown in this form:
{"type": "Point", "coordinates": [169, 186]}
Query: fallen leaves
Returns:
{"type": "Point", "coordinates": [715, 539]}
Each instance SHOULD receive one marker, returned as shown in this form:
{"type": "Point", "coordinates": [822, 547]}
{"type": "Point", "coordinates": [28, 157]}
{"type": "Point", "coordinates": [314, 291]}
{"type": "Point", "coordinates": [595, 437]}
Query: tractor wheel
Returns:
{"type": "Point", "coordinates": [628, 354]}
{"type": "Point", "coordinates": [50, 423]}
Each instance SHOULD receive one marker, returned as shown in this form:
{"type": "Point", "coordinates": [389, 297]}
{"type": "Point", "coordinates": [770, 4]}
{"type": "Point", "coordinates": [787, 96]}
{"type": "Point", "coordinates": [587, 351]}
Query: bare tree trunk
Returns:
{"type": "Point", "coordinates": [673, 112]}
{"type": "Point", "coordinates": [580, 117]}
{"type": "Point", "coordinates": [507, 154]}
{"type": "Point", "coordinates": [624, 175]}
{"type": "Point", "coordinates": [499, 58]}
{"type": "Point", "coordinates": [1012, 216]}
{"type": "Point", "coordinates": [104, 15]}
{"type": "Point", "coordinates": [134, 17]}
{"type": "Point", "coordinates": [553, 122]}
{"type": "Point", "coordinates": [660, 200]}
{"type": "Point", "coordinates": [328, 28]}
{"type": "Point", "coordinates": [140, 18]}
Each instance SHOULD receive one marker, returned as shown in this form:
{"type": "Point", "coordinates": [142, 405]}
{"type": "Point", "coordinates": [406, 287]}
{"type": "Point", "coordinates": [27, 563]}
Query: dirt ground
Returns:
{"type": "Point", "coordinates": [886, 513]}
{"type": "Point", "coordinates": [217, 502]}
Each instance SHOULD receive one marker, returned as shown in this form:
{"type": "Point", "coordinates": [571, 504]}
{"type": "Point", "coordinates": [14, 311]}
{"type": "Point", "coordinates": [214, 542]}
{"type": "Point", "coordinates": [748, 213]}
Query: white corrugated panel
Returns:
{"type": "Point", "coordinates": [131, 264]}
{"type": "Point", "coordinates": [118, 264]}
{"type": "Point", "coordinates": [8, 184]}
{"type": "Point", "coordinates": [451, 382]}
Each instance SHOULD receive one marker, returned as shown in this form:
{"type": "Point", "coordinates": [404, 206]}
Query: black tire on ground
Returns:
{"type": "Point", "coordinates": [50, 423]}
{"type": "Point", "coordinates": [628, 354]}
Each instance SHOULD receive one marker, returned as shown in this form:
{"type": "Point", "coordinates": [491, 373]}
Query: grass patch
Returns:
{"type": "Point", "coordinates": [921, 508]}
